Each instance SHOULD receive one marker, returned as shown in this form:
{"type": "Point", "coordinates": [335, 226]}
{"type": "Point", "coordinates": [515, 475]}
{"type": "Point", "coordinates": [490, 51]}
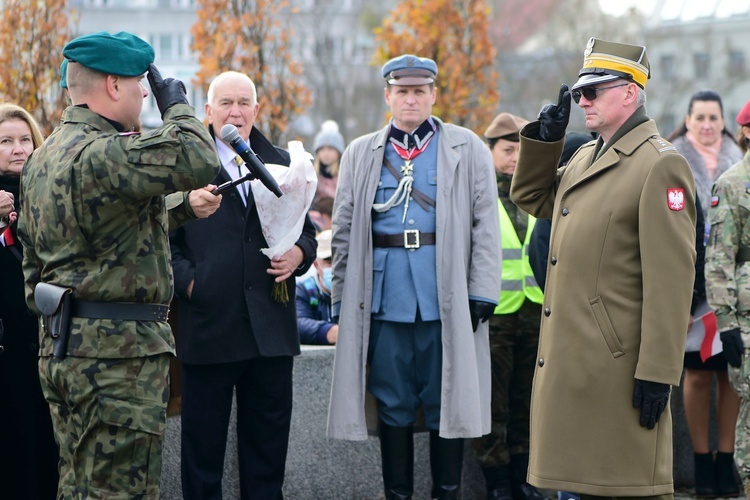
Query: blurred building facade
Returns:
{"type": "Point", "coordinates": [692, 45]}
{"type": "Point", "coordinates": [333, 41]}
{"type": "Point", "coordinates": [697, 45]}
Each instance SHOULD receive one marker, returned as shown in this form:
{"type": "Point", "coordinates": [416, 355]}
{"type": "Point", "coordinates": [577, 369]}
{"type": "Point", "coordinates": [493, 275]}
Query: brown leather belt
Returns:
{"type": "Point", "coordinates": [410, 238]}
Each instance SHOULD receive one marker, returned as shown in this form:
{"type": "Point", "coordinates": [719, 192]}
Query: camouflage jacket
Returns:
{"type": "Point", "coordinates": [727, 280]}
{"type": "Point", "coordinates": [94, 218]}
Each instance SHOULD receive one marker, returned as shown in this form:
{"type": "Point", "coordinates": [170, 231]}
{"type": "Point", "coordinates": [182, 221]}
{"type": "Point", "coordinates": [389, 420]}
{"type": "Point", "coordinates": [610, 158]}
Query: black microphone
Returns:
{"type": "Point", "coordinates": [231, 135]}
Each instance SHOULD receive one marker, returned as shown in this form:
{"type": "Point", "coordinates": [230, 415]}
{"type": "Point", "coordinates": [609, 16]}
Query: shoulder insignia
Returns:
{"type": "Point", "coordinates": [676, 199]}
{"type": "Point", "coordinates": [661, 145]}
{"type": "Point", "coordinates": [714, 201]}
{"type": "Point", "coordinates": [125, 134]}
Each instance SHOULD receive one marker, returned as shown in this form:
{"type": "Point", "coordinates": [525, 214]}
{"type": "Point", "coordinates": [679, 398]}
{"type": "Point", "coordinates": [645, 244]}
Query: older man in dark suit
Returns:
{"type": "Point", "coordinates": [232, 333]}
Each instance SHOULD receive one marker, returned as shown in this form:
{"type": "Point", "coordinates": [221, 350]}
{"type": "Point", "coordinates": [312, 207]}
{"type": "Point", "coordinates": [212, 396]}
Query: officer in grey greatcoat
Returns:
{"type": "Point", "coordinates": [416, 266]}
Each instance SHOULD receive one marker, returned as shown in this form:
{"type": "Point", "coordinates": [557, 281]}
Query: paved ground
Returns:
{"type": "Point", "coordinates": [689, 494]}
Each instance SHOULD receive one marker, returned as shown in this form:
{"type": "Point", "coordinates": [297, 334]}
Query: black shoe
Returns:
{"type": "Point", "coordinates": [705, 476]}
{"type": "Point", "coordinates": [520, 489]}
{"type": "Point", "coordinates": [446, 465]}
{"type": "Point", "coordinates": [724, 470]}
{"type": "Point", "coordinates": [397, 453]}
{"type": "Point", "coordinates": [498, 482]}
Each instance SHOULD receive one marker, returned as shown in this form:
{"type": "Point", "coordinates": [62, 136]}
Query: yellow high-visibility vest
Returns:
{"type": "Point", "coordinates": [518, 279]}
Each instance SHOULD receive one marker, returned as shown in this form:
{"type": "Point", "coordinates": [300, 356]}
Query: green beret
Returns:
{"type": "Point", "coordinates": [63, 70]}
{"type": "Point", "coordinates": [122, 54]}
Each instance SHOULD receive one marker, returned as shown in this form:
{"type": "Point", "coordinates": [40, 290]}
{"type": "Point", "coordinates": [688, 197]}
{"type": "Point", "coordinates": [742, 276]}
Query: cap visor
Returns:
{"type": "Point", "coordinates": [587, 80]}
{"type": "Point", "coordinates": [411, 80]}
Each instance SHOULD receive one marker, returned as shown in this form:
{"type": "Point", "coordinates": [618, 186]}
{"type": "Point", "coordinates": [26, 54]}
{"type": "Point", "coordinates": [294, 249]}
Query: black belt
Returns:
{"type": "Point", "coordinates": [128, 311]}
{"type": "Point", "coordinates": [410, 238]}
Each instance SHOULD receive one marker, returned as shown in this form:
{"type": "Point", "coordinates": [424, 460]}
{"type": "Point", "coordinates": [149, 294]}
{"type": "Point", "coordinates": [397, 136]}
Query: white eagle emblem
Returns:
{"type": "Point", "coordinates": [676, 199]}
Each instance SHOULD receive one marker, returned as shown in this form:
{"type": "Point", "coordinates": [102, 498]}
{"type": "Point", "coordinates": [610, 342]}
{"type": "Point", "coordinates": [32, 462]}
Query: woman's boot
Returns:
{"type": "Point", "coordinates": [726, 482]}
{"type": "Point", "coordinates": [705, 477]}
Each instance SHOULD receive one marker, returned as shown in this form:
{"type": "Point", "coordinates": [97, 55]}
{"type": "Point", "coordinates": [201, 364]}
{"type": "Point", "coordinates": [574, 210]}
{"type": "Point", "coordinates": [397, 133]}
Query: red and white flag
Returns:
{"type": "Point", "coordinates": [703, 335]}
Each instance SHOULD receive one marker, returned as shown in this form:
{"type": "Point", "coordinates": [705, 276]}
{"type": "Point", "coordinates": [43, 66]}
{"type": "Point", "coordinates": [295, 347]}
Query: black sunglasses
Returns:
{"type": "Point", "coordinates": [590, 92]}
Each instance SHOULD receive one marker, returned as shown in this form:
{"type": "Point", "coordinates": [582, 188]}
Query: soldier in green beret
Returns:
{"type": "Point", "coordinates": [94, 222]}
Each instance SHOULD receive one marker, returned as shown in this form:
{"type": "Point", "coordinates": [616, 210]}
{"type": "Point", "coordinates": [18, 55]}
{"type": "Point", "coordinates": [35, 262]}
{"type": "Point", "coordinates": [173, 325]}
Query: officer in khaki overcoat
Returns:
{"type": "Point", "coordinates": [619, 285]}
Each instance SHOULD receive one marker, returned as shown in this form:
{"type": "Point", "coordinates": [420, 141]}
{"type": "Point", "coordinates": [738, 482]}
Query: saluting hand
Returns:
{"type": "Point", "coordinates": [167, 92]}
{"type": "Point", "coordinates": [554, 118]}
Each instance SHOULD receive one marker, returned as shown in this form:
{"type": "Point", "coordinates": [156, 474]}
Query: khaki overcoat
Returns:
{"type": "Point", "coordinates": [468, 263]}
{"type": "Point", "coordinates": [616, 308]}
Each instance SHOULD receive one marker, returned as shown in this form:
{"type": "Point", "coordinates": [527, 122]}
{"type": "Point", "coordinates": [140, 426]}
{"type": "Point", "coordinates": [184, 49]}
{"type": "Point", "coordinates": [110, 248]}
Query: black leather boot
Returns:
{"type": "Point", "coordinates": [724, 469]}
{"type": "Point", "coordinates": [498, 482]}
{"type": "Point", "coordinates": [521, 490]}
{"type": "Point", "coordinates": [397, 455]}
{"type": "Point", "coordinates": [705, 476]}
{"type": "Point", "coordinates": [446, 464]}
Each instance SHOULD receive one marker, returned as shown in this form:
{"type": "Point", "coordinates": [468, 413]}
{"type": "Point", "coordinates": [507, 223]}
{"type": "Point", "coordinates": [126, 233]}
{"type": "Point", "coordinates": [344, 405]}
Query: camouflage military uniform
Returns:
{"type": "Point", "coordinates": [94, 218]}
{"type": "Point", "coordinates": [514, 339]}
{"type": "Point", "coordinates": [728, 285]}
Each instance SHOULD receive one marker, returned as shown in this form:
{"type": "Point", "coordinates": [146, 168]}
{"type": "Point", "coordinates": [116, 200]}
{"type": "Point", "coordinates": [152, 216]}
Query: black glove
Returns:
{"type": "Point", "coordinates": [480, 310]}
{"type": "Point", "coordinates": [651, 398]}
{"type": "Point", "coordinates": [553, 119]}
{"type": "Point", "coordinates": [731, 340]}
{"type": "Point", "coordinates": [166, 92]}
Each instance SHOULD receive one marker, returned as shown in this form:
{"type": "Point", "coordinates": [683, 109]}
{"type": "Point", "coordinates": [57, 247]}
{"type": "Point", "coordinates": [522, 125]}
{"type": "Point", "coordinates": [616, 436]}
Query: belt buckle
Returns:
{"type": "Point", "coordinates": [412, 234]}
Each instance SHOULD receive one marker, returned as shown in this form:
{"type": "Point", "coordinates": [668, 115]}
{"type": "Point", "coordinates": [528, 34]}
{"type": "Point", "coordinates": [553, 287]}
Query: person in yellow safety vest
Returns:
{"type": "Point", "coordinates": [514, 333]}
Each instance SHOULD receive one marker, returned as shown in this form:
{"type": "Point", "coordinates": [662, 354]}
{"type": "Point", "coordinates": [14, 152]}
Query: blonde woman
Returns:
{"type": "Point", "coordinates": [28, 463]}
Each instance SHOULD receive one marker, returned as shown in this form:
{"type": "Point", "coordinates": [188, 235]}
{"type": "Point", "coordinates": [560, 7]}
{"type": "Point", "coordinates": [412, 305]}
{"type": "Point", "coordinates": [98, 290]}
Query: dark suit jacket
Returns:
{"type": "Point", "coordinates": [231, 315]}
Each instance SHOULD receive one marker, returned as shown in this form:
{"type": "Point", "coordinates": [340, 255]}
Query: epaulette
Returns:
{"type": "Point", "coordinates": [661, 145]}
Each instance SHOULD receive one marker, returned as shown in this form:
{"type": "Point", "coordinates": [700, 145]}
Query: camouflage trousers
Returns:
{"type": "Point", "coordinates": [514, 340]}
{"type": "Point", "coordinates": [740, 380]}
{"type": "Point", "coordinates": [109, 418]}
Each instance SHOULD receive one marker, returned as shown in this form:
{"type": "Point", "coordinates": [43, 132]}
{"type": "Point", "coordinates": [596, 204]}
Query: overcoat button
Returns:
{"type": "Point", "coordinates": [547, 311]}
{"type": "Point", "coordinates": [541, 362]}
{"type": "Point", "coordinates": [361, 305]}
{"type": "Point", "coordinates": [565, 212]}
{"type": "Point", "coordinates": [553, 260]}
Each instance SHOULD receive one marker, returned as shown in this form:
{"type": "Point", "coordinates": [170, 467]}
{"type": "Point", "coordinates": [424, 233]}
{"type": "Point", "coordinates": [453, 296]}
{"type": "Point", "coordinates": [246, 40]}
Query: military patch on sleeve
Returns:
{"type": "Point", "coordinates": [676, 199]}
{"type": "Point", "coordinates": [714, 201]}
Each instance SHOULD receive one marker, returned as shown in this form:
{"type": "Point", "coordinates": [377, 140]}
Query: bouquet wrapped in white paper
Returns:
{"type": "Point", "coordinates": [282, 219]}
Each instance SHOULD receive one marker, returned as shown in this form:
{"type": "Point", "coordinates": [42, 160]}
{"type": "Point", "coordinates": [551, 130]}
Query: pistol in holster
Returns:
{"type": "Point", "coordinates": [55, 303]}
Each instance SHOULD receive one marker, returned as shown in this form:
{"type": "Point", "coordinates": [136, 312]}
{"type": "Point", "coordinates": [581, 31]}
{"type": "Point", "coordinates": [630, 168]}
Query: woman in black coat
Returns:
{"type": "Point", "coordinates": [28, 461]}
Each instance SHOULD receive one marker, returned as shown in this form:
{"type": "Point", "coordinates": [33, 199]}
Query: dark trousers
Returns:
{"type": "Point", "coordinates": [264, 410]}
{"type": "Point", "coordinates": [514, 341]}
{"type": "Point", "coordinates": [406, 362]}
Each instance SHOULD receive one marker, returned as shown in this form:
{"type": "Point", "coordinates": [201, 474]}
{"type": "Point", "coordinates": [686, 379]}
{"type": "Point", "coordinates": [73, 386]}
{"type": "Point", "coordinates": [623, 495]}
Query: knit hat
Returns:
{"type": "Point", "coordinates": [329, 135]}
{"type": "Point", "coordinates": [324, 244]}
